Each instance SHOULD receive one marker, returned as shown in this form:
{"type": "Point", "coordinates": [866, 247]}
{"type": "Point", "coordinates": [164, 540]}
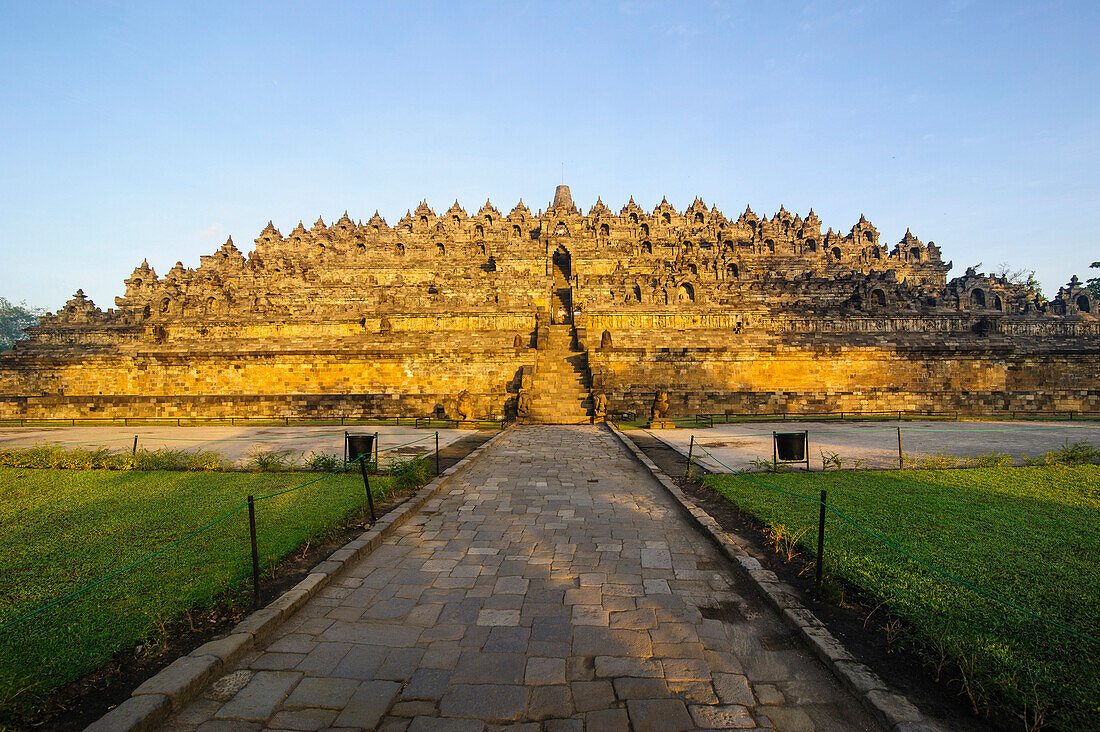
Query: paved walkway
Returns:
{"type": "Point", "coordinates": [875, 443]}
{"type": "Point", "coordinates": [554, 584]}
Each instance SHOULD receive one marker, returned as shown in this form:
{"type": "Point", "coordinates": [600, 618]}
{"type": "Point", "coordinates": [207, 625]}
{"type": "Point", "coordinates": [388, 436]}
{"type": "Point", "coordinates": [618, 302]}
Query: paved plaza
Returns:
{"type": "Point", "coordinates": [235, 443]}
{"type": "Point", "coordinates": [552, 585]}
{"type": "Point", "coordinates": [875, 443]}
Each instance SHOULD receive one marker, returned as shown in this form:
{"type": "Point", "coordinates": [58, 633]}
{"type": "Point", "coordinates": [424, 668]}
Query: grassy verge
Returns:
{"type": "Point", "coordinates": [1030, 535]}
{"type": "Point", "coordinates": [65, 529]}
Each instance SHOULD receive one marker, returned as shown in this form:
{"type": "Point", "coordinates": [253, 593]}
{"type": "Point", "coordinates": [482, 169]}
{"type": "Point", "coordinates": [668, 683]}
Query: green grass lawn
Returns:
{"type": "Point", "coordinates": [1030, 535]}
{"type": "Point", "coordinates": [64, 529]}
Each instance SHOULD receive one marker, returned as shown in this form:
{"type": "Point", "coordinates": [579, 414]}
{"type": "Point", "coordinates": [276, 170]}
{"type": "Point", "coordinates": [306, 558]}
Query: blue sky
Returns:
{"type": "Point", "coordinates": [134, 130]}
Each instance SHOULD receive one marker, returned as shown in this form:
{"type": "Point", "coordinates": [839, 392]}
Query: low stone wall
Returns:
{"type": "Point", "coordinates": [377, 383]}
{"type": "Point", "coordinates": [807, 379]}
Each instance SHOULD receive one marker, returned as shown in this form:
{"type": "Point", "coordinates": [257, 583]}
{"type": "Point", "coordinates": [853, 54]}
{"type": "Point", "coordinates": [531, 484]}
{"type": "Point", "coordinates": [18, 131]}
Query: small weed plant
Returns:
{"type": "Point", "coordinates": [410, 474]}
{"type": "Point", "coordinates": [166, 458]}
{"type": "Point", "coordinates": [784, 541]}
{"type": "Point", "coordinates": [271, 461]}
{"type": "Point", "coordinates": [833, 461]}
{"type": "Point", "coordinates": [942, 460]}
{"type": "Point", "coordinates": [319, 462]}
{"type": "Point", "coordinates": [1079, 453]}
{"type": "Point", "coordinates": [767, 466]}
{"type": "Point", "coordinates": [993, 459]}
{"type": "Point", "coordinates": [54, 457]}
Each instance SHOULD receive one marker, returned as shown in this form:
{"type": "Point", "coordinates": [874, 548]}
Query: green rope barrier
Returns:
{"type": "Point", "coordinates": [129, 439]}
{"type": "Point", "coordinates": [124, 569]}
{"type": "Point", "coordinates": [397, 447]}
{"type": "Point", "coordinates": [944, 573]}
{"type": "Point", "coordinates": [160, 551]}
{"type": "Point", "coordinates": [764, 435]}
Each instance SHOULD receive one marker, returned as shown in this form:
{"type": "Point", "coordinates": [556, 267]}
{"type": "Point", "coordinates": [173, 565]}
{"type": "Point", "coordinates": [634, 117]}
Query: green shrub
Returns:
{"type": "Point", "coordinates": [1079, 453]}
{"type": "Point", "coordinates": [271, 461]}
{"type": "Point", "coordinates": [57, 457]}
{"type": "Point", "coordinates": [993, 459]}
{"type": "Point", "coordinates": [166, 458]}
{"type": "Point", "coordinates": [410, 474]}
{"type": "Point", "coordinates": [319, 462]}
{"type": "Point", "coordinates": [942, 460]}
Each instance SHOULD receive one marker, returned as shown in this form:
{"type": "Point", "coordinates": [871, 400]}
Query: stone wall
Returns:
{"type": "Point", "coordinates": [381, 382]}
{"type": "Point", "coordinates": [820, 379]}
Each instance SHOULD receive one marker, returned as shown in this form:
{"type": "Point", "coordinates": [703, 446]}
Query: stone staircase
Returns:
{"type": "Point", "coordinates": [561, 381]}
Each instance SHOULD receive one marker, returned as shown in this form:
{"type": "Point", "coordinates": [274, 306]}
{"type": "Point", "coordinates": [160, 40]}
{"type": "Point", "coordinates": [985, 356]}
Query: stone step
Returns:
{"type": "Point", "coordinates": [557, 409]}
{"type": "Point", "coordinates": [578, 397]}
{"type": "Point", "coordinates": [561, 380]}
{"type": "Point", "coordinates": [560, 419]}
{"type": "Point", "coordinates": [566, 396]}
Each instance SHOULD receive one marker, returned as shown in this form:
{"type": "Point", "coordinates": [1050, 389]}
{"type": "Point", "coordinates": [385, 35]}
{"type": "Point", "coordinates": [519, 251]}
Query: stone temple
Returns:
{"type": "Point", "coordinates": [556, 315]}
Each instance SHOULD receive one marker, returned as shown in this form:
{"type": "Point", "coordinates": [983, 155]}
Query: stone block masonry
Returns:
{"type": "Point", "coordinates": [744, 314]}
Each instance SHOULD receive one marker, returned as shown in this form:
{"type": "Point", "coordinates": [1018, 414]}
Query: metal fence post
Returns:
{"type": "Point", "coordinates": [256, 599]}
{"type": "Point", "coordinates": [377, 454]}
{"type": "Point", "coordinates": [366, 484]}
{"type": "Point", "coordinates": [135, 445]}
{"type": "Point", "coordinates": [437, 452]}
{"type": "Point", "coordinates": [901, 463]}
{"type": "Point", "coordinates": [820, 540]}
{"type": "Point", "coordinates": [691, 449]}
{"type": "Point", "coordinates": [345, 448]}
{"type": "Point", "coordinates": [806, 447]}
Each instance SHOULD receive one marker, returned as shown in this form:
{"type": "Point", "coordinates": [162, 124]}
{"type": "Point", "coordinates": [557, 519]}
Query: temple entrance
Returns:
{"type": "Point", "coordinates": [563, 268]}
{"type": "Point", "coordinates": [562, 301]}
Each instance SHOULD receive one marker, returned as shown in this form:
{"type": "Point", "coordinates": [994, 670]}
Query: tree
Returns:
{"type": "Point", "coordinates": [1022, 276]}
{"type": "Point", "coordinates": [1094, 283]}
{"type": "Point", "coordinates": [14, 319]}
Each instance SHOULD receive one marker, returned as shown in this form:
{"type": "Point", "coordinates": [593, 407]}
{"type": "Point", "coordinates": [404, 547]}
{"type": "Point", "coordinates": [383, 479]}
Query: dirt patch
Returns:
{"type": "Point", "coordinates": [732, 443]}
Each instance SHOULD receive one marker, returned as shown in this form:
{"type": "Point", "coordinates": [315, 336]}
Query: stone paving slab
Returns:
{"type": "Point", "coordinates": [553, 584]}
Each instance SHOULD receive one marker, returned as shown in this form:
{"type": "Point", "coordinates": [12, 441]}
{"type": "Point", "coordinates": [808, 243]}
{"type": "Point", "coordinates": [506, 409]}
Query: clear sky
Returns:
{"type": "Point", "coordinates": [156, 129]}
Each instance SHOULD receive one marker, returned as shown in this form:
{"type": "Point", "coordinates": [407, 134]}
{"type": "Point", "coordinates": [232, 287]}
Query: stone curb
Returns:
{"type": "Point", "coordinates": [890, 708]}
{"type": "Point", "coordinates": [184, 679]}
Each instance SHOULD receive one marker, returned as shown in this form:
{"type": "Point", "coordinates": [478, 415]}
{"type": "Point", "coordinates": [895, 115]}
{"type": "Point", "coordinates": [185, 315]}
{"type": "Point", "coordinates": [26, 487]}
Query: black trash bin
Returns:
{"type": "Point", "coordinates": [791, 446]}
{"type": "Point", "coordinates": [360, 445]}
